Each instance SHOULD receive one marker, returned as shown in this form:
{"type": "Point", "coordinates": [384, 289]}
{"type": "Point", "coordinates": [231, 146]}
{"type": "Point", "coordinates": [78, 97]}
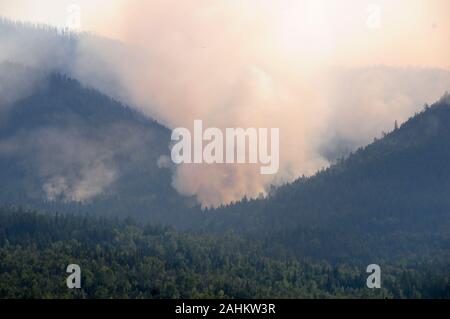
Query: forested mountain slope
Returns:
{"type": "Point", "coordinates": [127, 260]}
{"type": "Point", "coordinates": [68, 148]}
{"type": "Point", "coordinates": [390, 199]}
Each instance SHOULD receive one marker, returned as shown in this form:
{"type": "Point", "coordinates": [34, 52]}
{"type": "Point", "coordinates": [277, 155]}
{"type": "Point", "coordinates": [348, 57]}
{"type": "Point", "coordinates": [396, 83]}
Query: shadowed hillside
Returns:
{"type": "Point", "coordinates": [69, 148]}
{"type": "Point", "coordinates": [387, 200]}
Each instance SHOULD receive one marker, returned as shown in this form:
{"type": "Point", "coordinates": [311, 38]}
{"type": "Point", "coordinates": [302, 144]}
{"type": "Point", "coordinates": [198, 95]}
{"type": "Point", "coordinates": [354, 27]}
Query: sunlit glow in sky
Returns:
{"type": "Point", "coordinates": [351, 32]}
{"type": "Point", "coordinates": [257, 63]}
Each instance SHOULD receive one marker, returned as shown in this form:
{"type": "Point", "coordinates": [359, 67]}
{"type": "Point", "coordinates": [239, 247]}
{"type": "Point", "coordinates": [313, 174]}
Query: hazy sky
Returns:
{"type": "Point", "coordinates": [348, 32]}
{"type": "Point", "coordinates": [304, 66]}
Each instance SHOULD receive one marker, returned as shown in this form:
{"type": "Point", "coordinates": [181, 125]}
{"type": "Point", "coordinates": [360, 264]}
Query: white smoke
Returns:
{"type": "Point", "coordinates": [249, 64]}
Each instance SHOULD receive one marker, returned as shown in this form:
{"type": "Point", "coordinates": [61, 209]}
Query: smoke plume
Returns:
{"type": "Point", "coordinates": [300, 66]}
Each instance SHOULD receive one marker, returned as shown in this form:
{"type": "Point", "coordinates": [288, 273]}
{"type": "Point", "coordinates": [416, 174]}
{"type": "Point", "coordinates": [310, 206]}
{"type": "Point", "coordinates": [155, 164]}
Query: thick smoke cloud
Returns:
{"type": "Point", "coordinates": [253, 64]}
{"type": "Point", "coordinates": [260, 64]}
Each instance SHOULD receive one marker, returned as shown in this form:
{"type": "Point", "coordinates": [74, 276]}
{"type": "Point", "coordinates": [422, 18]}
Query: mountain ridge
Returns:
{"type": "Point", "coordinates": [393, 188]}
{"type": "Point", "coordinates": [67, 147]}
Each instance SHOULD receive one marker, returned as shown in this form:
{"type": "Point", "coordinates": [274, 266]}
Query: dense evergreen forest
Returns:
{"type": "Point", "coordinates": [122, 259]}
